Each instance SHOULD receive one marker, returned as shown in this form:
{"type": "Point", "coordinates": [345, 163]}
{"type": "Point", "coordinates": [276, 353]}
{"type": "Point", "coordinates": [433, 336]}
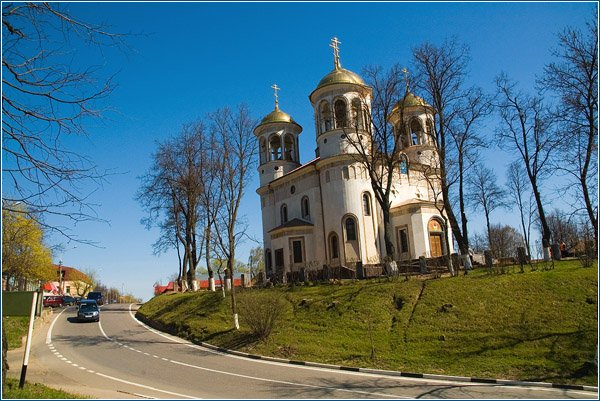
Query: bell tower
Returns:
{"type": "Point", "coordinates": [413, 122]}
{"type": "Point", "coordinates": [342, 106]}
{"type": "Point", "coordinates": [277, 135]}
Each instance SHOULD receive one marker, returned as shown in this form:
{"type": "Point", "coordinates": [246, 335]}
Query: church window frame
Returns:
{"type": "Point", "coordinates": [283, 213]}
{"type": "Point", "coordinates": [416, 131]}
{"type": "Point", "coordinates": [403, 167]}
{"type": "Point", "coordinates": [346, 173]}
{"type": "Point", "coordinates": [340, 111]}
{"type": "Point", "coordinates": [289, 145]}
{"type": "Point", "coordinates": [351, 228]}
{"type": "Point", "coordinates": [325, 116]}
{"type": "Point", "coordinates": [274, 147]}
{"type": "Point", "coordinates": [334, 246]}
{"type": "Point", "coordinates": [263, 151]}
{"type": "Point", "coordinates": [366, 203]}
{"type": "Point", "coordinates": [357, 115]}
{"type": "Point", "coordinates": [305, 207]}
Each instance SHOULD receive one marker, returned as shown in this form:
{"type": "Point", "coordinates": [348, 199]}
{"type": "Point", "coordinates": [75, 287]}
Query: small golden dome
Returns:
{"type": "Point", "coordinates": [277, 116]}
{"type": "Point", "coordinates": [340, 76]}
{"type": "Point", "coordinates": [410, 100]}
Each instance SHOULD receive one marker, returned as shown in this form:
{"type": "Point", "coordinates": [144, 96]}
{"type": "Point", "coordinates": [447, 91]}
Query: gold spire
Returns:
{"type": "Point", "coordinates": [275, 89]}
{"type": "Point", "coordinates": [405, 71]}
{"type": "Point", "coordinates": [336, 52]}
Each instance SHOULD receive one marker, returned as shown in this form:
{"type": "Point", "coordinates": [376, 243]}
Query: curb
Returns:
{"type": "Point", "coordinates": [503, 382]}
{"type": "Point", "coordinates": [463, 379]}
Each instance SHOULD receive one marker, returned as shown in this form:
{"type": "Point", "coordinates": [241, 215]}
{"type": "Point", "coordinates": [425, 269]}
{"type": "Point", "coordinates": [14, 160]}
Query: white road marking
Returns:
{"type": "Point", "coordinates": [49, 341]}
{"type": "Point", "coordinates": [146, 387]}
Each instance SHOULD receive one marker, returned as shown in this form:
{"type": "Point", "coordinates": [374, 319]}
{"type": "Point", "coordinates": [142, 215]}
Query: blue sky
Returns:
{"type": "Point", "coordinates": [188, 59]}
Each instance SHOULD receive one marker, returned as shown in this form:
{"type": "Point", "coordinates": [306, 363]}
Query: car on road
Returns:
{"type": "Point", "coordinates": [68, 300]}
{"type": "Point", "coordinates": [52, 301]}
{"type": "Point", "coordinates": [96, 296]}
{"type": "Point", "coordinates": [88, 311]}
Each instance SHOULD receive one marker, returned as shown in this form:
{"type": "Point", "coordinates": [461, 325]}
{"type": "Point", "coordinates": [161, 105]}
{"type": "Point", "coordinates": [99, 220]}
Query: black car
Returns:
{"type": "Point", "coordinates": [96, 296]}
{"type": "Point", "coordinates": [88, 311]}
{"type": "Point", "coordinates": [68, 300]}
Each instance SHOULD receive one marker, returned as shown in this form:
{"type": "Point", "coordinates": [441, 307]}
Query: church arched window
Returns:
{"type": "Point", "coordinates": [284, 214]}
{"type": "Point", "coordinates": [366, 201]}
{"type": "Point", "coordinates": [263, 150]}
{"type": "Point", "coordinates": [350, 225]}
{"type": "Point", "coordinates": [416, 131]}
{"type": "Point", "coordinates": [403, 165]}
{"type": "Point", "coordinates": [352, 172]}
{"type": "Point", "coordinates": [289, 148]}
{"type": "Point", "coordinates": [305, 208]}
{"type": "Point", "coordinates": [334, 251]}
{"type": "Point", "coordinates": [401, 131]}
{"type": "Point", "coordinates": [341, 115]}
{"type": "Point", "coordinates": [430, 132]}
{"type": "Point", "coordinates": [345, 173]}
{"type": "Point", "coordinates": [356, 114]}
{"type": "Point", "coordinates": [325, 116]}
{"type": "Point", "coordinates": [275, 147]}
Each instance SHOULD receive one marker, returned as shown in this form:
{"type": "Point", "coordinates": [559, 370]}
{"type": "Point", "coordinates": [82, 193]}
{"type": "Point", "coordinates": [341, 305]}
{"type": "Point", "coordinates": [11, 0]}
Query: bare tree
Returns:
{"type": "Point", "coordinates": [235, 132]}
{"type": "Point", "coordinates": [170, 193]}
{"type": "Point", "coordinates": [564, 228]}
{"type": "Point", "coordinates": [574, 78]}
{"type": "Point", "coordinates": [518, 190]}
{"type": "Point", "coordinates": [506, 240]}
{"type": "Point", "coordinates": [526, 128]}
{"type": "Point", "coordinates": [440, 73]}
{"type": "Point", "coordinates": [44, 99]}
{"type": "Point", "coordinates": [467, 140]}
{"type": "Point", "coordinates": [485, 194]}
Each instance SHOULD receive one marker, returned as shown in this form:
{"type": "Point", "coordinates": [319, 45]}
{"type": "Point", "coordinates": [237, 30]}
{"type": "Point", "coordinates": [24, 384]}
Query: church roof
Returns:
{"type": "Point", "coordinates": [410, 100]}
{"type": "Point", "coordinates": [293, 223]}
{"type": "Point", "coordinates": [277, 116]}
{"type": "Point", "coordinates": [340, 76]}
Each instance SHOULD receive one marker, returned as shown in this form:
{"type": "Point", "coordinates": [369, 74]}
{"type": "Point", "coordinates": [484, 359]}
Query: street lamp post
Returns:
{"type": "Point", "coordinates": [60, 276]}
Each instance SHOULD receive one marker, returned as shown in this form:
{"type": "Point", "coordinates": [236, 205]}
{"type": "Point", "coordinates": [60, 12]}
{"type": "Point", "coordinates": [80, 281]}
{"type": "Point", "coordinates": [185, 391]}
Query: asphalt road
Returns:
{"type": "Point", "coordinates": [121, 358]}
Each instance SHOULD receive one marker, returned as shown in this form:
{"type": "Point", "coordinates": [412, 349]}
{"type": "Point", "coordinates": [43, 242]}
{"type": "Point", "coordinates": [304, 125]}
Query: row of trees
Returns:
{"type": "Point", "coordinates": [194, 189]}
{"type": "Point", "coordinates": [551, 133]}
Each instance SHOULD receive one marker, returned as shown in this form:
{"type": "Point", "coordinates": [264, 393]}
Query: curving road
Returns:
{"type": "Point", "coordinates": [122, 358]}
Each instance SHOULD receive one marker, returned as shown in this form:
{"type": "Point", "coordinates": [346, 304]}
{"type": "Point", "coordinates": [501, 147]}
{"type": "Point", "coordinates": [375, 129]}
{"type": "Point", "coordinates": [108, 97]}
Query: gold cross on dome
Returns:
{"type": "Point", "coordinates": [405, 71]}
{"type": "Point", "coordinates": [336, 51]}
{"type": "Point", "coordinates": [275, 89]}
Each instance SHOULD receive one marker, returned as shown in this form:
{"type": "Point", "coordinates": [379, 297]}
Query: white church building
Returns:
{"type": "Point", "coordinates": [324, 212]}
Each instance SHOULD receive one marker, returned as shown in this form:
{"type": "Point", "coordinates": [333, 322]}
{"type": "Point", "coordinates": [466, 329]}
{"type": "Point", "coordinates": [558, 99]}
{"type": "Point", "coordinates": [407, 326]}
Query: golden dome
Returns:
{"type": "Point", "coordinates": [277, 116]}
{"type": "Point", "coordinates": [340, 76]}
{"type": "Point", "coordinates": [410, 100]}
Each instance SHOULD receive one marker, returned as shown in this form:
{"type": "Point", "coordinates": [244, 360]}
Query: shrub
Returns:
{"type": "Point", "coordinates": [260, 311]}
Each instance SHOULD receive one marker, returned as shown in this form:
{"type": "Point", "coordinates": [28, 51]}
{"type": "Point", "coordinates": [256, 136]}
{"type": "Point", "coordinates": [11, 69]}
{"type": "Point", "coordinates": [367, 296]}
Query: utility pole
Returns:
{"type": "Point", "coordinates": [60, 276]}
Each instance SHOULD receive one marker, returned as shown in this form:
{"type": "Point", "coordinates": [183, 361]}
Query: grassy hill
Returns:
{"type": "Point", "coordinates": [540, 325]}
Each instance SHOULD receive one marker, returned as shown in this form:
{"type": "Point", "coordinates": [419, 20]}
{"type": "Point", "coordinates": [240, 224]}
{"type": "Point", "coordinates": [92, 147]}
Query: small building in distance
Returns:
{"type": "Point", "coordinates": [69, 281]}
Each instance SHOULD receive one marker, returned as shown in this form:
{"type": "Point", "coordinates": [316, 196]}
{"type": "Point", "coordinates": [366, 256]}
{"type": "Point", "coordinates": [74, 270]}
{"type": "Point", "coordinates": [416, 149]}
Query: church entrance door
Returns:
{"type": "Point", "coordinates": [435, 241]}
{"type": "Point", "coordinates": [297, 253]}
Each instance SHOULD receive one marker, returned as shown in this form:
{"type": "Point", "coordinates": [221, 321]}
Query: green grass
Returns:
{"type": "Point", "coordinates": [539, 325]}
{"type": "Point", "coordinates": [15, 328]}
{"type": "Point", "coordinates": [33, 391]}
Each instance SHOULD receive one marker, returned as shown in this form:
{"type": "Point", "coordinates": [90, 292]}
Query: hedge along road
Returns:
{"type": "Point", "coordinates": [120, 357]}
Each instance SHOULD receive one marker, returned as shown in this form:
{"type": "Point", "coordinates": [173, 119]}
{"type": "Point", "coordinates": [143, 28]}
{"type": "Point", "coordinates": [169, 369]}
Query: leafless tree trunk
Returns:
{"type": "Point", "coordinates": [518, 190]}
{"type": "Point", "coordinates": [485, 194]}
{"type": "Point", "coordinates": [234, 131]}
{"type": "Point", "coordinates": [440, 72]}
{"type": "Point", "coordinates": [468, 112]}
{"type": "Point", "coordinates": [574, 78]}
{"type": "Point", "coordinates": [526, 128]}
{"type": "Point", "coordinates": [45, 99]}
